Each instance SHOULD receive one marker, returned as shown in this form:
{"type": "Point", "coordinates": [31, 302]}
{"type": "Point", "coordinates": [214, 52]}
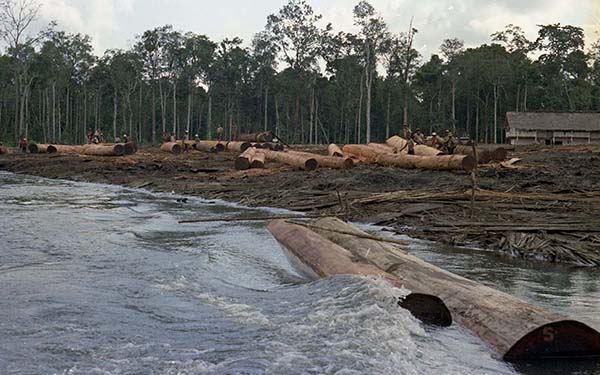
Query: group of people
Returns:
{"type": "Point", "coordinates": [445, 144]}
{"type": "Point", "coordinates": [97, 137]}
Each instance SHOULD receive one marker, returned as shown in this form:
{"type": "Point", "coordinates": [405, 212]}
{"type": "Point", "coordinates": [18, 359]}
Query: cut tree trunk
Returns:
{"type": "Point", "coordinates": [363, 153]}
{"type": "Point", "coordinates": [244, 161]}
{"type": "Point", "coordinates": [172, 147]}
{"type": "Point", "coordinates": [517, 330]}
{"type": "Point", "coordinates": [238, 146]}
{"type": "Point", "coordinates": [296, 161]}
{"type": "Point", "coordinates": [258, 160]}
{"type": "Point", "coordinates": [399, 143]}
{"type": "Point", "coordinates": [436, 163]}
{"type": "Point", "coordinates": [104, 150]}
{"type": "Point", "coordinates": [334, 150]}
{"type": "Point", "coordinates": [66, 149]}
{"type": "Point", "coordinates": [327, 161]}
{"type": "Point", "coordinates": [257, 137]}
{"type": "Point", "coordinates": [41, 149]}
{"type": "Point", "coordinates": [130, 148]}
{"type": "Point", "coordinates": [318, 257]}
{"type": "Point", "coordinates": [210, 146]}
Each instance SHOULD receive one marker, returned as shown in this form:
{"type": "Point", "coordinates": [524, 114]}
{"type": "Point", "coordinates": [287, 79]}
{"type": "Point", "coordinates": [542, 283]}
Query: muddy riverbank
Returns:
{"type": "Point", "coordinates": [546, 207]}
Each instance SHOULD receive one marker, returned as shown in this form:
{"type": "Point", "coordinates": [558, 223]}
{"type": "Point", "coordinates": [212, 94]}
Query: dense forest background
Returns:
{"type": "Point", "coordinates": [296, 77]}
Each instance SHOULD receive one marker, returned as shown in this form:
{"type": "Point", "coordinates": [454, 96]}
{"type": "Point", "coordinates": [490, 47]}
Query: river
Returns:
{"type": "Point", "coordinates": [98, 279]}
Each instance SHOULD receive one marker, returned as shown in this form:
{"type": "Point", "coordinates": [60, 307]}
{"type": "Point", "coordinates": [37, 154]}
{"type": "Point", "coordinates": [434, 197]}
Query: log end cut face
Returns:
{"type": "Point", "coordinates": [427, 308]}
{"type": "Point", "coordinates": [567, 339]}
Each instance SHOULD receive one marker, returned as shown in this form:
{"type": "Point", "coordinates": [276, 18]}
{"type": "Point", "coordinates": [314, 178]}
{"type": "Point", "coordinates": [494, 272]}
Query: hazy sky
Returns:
{"type": "Point", "coordinates": [115, 23]}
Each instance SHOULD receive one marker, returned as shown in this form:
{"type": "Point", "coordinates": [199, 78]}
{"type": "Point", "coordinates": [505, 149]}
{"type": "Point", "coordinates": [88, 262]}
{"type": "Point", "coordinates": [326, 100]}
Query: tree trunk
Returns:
{"type": "Point", "coordinates": [175, 128]}
{"type": "Point", "coordinates": [296, 161]}
{"type": "Point", "coordinates": [115, 103]}
{"type": "Point", "coordinates": [209, 116]}
{"type": "Point", "coordinates": [266, 108]}
{"type": "Point", "coordinates": [387, 114]}
{"type": "Point", "coordinates": [496, 113]}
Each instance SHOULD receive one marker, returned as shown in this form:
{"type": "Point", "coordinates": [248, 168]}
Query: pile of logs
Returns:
{"type": "Point", "coordinates": [515, 329]}
{"type": "Point", "coordinates": [255, 158]}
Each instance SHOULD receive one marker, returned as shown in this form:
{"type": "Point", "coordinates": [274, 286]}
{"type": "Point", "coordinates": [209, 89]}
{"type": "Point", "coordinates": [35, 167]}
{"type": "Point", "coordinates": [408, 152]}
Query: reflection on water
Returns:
{"type": "Point", "coordinates": [102, 280]}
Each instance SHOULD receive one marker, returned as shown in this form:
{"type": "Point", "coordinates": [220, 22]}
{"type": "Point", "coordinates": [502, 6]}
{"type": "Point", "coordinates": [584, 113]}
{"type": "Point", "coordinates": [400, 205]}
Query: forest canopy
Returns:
{"type": "Point", "coordinates": [296, 77]}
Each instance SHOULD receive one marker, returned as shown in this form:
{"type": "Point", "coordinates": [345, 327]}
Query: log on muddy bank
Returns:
{"type": "Point", "coordinates": [399, 143]}
{"type": "Point", "coordinates": [41, 149]}
{"type": "Point", "coordinates": [257, 137]}
{"type": "Point", "coordinates": [318, 257]}
{"type": "Point", "coordinates": [257, 161]}
{"type": "Point", "coordinates": [334, 150]}
{"type": "Point", "coordinates": [327, 161]}
{"type": "Point", "coordinates": [68, 149]}
{"type": "Point", "coordinates": [131, 148]}
{"type": "Point", "coordinates": [516, 329]}
{"type": "Point", "coordinates": [434, 163]}
{"type": "Point", "coordinates": [296, 161]}
{"type": "Point", "coordinates": [363, 153]}
{"type": "Point", "coordinates": [210, 146]}
{"type": "Point", "coordinates": [104, 150]}
{"type": "Point", "coordinates": [237, 146]}
{"type": "Point", "coordinates": [244, 161]}
{"type": "Point", "coordinates": [171, 147]}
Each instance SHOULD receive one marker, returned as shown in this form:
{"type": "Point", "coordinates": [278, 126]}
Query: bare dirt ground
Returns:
{"type": "Point", "coordinates": [547, 207]}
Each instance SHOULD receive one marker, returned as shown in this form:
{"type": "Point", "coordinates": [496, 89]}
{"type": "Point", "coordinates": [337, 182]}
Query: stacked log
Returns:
{"type": "Point", "coordinates": [327, 161]}
{"type": "Point", "coordinates": [257, 161]}
{"type": "Point", "coordinates": [485, 153]}
{"type": "Point", "coordinates": [334, 150]}
{"type": "Point", "coordinates": [384, 148]}
{"type": "Point", "coordinates": [363, 153]}
{"type": "Point", "coordinates": [210, 146]}
{"type": "Point", "coordinates": [257, 137]}
{"type": "Point", "coordinates": [399, 143]}
{"type": "Point", "coordinates": [517, 330]}
{"type": "Point", "coordinates": [237, 146]}
{"type": "Point", "coordinates": [104, 150]}
{"type": "Point", "coordinates": [318, 257]}
{"type": "Point", "coordinates": [244, 161]}
{"type": "Point", "coordinates": [302, 162]}
{"type": "Point", "coordinates": [434, 163]}
{"type": "Point", "coordinates": [130, 148]}
{"type": "Point", "coordinates": [36, 148]}
{"type": "Point", "coordinates": [171, 147]}
{"type": "Point", "coordinates": [66, 149]}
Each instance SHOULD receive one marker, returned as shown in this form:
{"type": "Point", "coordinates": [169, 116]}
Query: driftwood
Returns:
{"type": "Point", "coordinates": [41, 149]}
{"type": "Point", "coordinates": [334, 150]}
{"type": "Point", "coordinates": [67, 149]}
{"type": "Point", "coordinates": [244, 161]}
{"type": "Point", "coordinates": [171, 147]}
{"type": "Point", "coordinates": [297, 161]}
{"type": "Point", "coordinates": [327, 161]}
{"type": "Point", "coordinates": [237, 146]}
{"type": "Point", "coordinates": [104, 150]}
{"type": "Point", "coordinates": [517, 330]}
{"type": "Point", "coordinates": [439, 163]}
{"type": "Point", "coordinates": [317, 257]}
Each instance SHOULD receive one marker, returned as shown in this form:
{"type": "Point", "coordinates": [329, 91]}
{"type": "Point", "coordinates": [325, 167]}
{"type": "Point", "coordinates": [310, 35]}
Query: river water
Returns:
{"type": "Point", "coordinates": [98, 279]}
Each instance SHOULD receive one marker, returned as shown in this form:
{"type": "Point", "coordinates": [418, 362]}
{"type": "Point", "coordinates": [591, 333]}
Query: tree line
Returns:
{"type": "Point", "coordinates": [297, 78]}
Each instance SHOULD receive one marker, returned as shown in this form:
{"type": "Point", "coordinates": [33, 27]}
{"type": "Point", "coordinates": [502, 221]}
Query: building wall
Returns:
{"type": "Point", "coordinates": [520, 137]}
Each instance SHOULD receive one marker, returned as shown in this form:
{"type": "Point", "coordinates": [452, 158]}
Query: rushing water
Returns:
{"type": "Point", "coordinates": [99, 279]}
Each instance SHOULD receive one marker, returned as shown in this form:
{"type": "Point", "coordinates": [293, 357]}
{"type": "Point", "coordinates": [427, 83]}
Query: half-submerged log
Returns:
{"type": "Point", "coordinates": [436, 163]}
{"type": "Point", "coordinates": [238, 146]}
{"type": "Point", "coordinates": [36, 148]}
{"type": "Point", "coordinates": [327, 161]}
{"type": "Point", "coordinates": [172, 147]}
{"type": "Point", "coordinates": [258, 160]}
{"type": "Point", "coordinates": [297, 161]}
{"type": "Point", "coordinates": [67, 149]}
{"type": "Point", "coordinates": [334, 150]}
{"type": "Point", "coordinates": [516, 329]}
{"type": "Point", "coordinates": [244, 161]}
{"type": "Point", "coordinates": [104, 150]}
{"type": "Point", "coordinates": [318, 257]}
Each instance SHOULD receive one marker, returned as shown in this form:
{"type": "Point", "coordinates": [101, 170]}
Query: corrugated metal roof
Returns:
{"type": "Point", "coordinates": [553, 121]}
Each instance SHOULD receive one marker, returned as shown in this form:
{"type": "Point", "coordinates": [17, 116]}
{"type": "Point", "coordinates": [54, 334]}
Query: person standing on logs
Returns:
{"type": "Point", "coordinates": [451, 143]}
{"type": "Point", "coordinates": [220, 131]}
{"type": "Point", "coordinates": [435, 141]}
{"type": "Point", "coordinates": [125, 138]}
{"type": "Point", "coordinates": [186, 136]}
{"type": "Point", "coordinates": [410, 145]}
{"type": "Point", "coordinates": [418, 137]}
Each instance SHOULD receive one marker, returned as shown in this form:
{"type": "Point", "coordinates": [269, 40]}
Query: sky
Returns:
{"type": "Point", "coordinates": [115, 23]}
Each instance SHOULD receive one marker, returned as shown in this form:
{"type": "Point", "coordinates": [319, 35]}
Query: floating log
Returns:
{"type": "Point", "coordinates": [485, 153]}
{"type": "Point", "coordinates": [244, 161]}
{"type": "Point", "coordinates": [104, 150]}
{"type": "Point", "coordinates": [297, 161]}
{"type": "Point", "coordinates": [258, 160]}
{"type": "Point", "coordinates": [516, 329]}
{"type": "Point", "coordinates": [327, 161]}
{"type": "Point", "coordinates": [363, 153]}
{"type": "Point", "coordinates": [172, 147]}
{"type": "Point", "coordinates": [36, 148]}
{"type": "Point", "coordinates": [67, 149]}
{"type": "Point", "coordinates": [334, 150]}
{"type": "Point", "coordinates": [436, 163]}
{"type": "Point", "coordinates": [318, 257]}
{"type": "Point", "coordinates": [237, 146]}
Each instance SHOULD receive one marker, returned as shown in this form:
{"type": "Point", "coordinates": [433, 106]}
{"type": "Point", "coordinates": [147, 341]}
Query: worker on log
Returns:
{"type": "Point", "coordinates": [409, 146]}
{"type": "Point", "coordinates": [23, 144]}
{"type": "Point", "coordinates": [435, 141]}
{"type": "Point", "coordinates": [418, 137]}
{"type": "Point", "coordinates": [220, 131]}
{"type": "Point", "coordinates": [117, 139]}
{"type": "Point", "coordinates": [197, 138]}
{"type": "Point", "coordinates": [451, 143]}
{"type": "Point", "coordinates": [186, 136]}
{"type": "Point", "coordinates": [125, 138]}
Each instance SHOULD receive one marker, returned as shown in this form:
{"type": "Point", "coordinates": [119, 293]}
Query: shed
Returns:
{"type": "Point", "coordinates": [523, 128]}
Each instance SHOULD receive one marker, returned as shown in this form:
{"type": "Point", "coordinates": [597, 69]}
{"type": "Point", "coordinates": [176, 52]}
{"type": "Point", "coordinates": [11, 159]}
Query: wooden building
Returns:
{"type": "Point", "coordinates": [552, 128]}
